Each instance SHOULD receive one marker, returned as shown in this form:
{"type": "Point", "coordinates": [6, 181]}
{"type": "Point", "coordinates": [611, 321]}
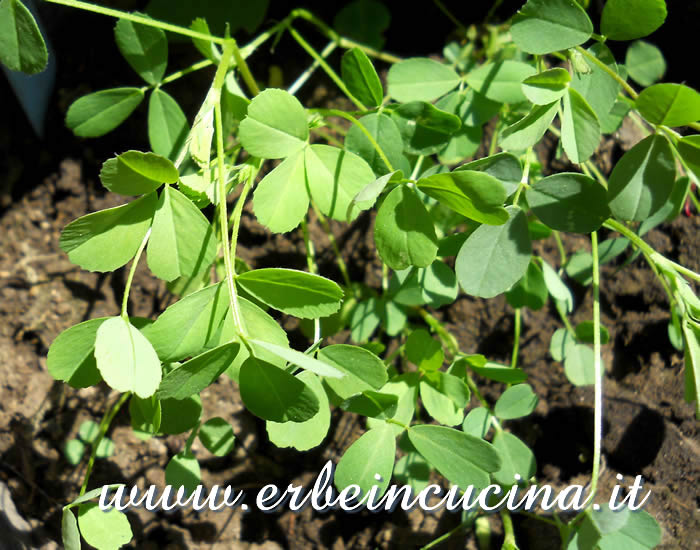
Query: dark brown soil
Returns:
{"type": "Point", "coordinates": [649, 429]}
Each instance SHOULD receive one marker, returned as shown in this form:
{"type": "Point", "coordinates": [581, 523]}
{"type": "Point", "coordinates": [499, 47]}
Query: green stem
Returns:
{"type": "Point", "coordinates": [449, 15]}
{"type": "Point", "coordinates": [694, 200]}
{"type": "Point", "coordinates": [329, 138]}
{"type": "Point", "coordinates": [138, 19]}
{"type": "Point", "coordinates": [192, 68]}
{"type": "Point", "coordinates": [303, 77]}
{"type": "Point", "coordinates": [475, 390]}
{"type": "Point", "coordinates": [309, 245]}
{"type": "Point", "coordinates": [445, 335]}
{"type": "Point", "coordinates": [447, 535]}
{"type": "Point", "coordinates": [516, 343]}
{"type": "Point", "coordinates": [326, 67]}
{"type": "Point", "coordinates": [417, 167]}
{"type": "Point", "coordinates": [244, 69]}
{"type": "Point", "coordinates": [132, 271]}
{"type": "Point", "coordinates": [396, 422]}
{"type": "Point", "coordinates": [560, 246]}
{"type": "Point", "coordinates": [597, 173]}
{"type": "Point", "coordinates": [492, 11]}
{"type": "Point", "coordinates": [508, 531]}
{"type": "Point", "coordinates": [346, 116]}
{"type": "Point", "coordinates": [630, 91]}
{"type": "Point", "coordinates": [191, 438]}
{"type": "Point", "coordinates": [104, 426]}
{"type": "Point", "coordinates": [526, 176]}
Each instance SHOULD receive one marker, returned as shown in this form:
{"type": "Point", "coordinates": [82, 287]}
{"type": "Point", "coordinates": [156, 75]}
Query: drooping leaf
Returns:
{"type": "Point", "coordinates": [363, 369]}
{"type": "Point", "coordinates": [546, 26]}
{"type": "Point", "coordinates": [199, 372]}
{"type": "Point", "coordinates": [144, 48]}
{"type": "Point", "coordinates": [404, 233]}
{"type": "Point", "coordinates": [216, 434]}
{"type": "Point", "coordinates": [642, 180]}
{"type": "Point", "coordinates": [645, 63]}
{"type": "Point", "coordinates": [420, 79]}
{"type": "Point", "coordinates": [372, 404]}
{"type": "Point", "coordinates": [669, 104]}
{"type": "Point", "coordinates": [137, 173]}
{"type": "Point", "coordinates": [499, 373]}
{"type": "Point", "coordinates": [516, 402]}
{"type": "Point", "coordinates": [361, 78]}
{"type": "Point", "coordinates": [516, 457]}
{"type": "Point", "coordinates": [70, 535]}
{"type": "Point", "coordinates": [167, 125]}
{"type": "Point", "coordinates": [334, 177]}
{"type": "Point", "coordinates": [71, 355]}
{"type": "Point", "coordinates": [689, 149]}
{"type": "Point", "coordinates": [387, 135]}
{"type": "Point", "coordinates": [505, 167]}
{"type": "Point", "coordinates": [276, 125]}
{"type": "Point", "coordinates": [309, 433]}
{"type": "Point", "coordinates": [580, 130]}
{"type": "Point", "coordinates": [547, 86]}
{"type": "Point", "coordinates": [527, 131]}
{"type": "Point", "coordinates": [106, 530]}
{"type": "Point", "coordinates": [569, 202]}
{"type": "Point", "coordinates": [95, 114]}
{"type": "Point", "coordinates": [462, 458]}
{"type": "Point", "coordinates": [556, 287]}
{"type": "Point", "coordinates": [182, 242]}
{"type": "Point", "coordinates": [367, 197]}
{"type": "Point", "coordinates": [108, 239]}
{"type": "Point", "coordinates": [691, 341]}
{"type": "Point", "coordinates": [126, 359]}
{"type": "Point", "coordinates": [281, 200]}
{"type": "Point", "coordinates": [501, 81]}
{"type": "Point", "coordinates": [300, 359]}
{"type": "Point", "coordinates": [630, 19]}
{"type": "Point", "coordinates": [494, 257]}
{"type": "Point", "coordinates": [370, 456]}
{"type": "Point", "coordinates": [476, 195]}
{"type": "Point", "coordinates": [273, 394]}
{"type": "Point", "coordinates": [22, 47]}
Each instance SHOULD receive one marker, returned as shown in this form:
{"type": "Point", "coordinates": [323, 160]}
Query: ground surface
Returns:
{"type": "Point", "coordinates": [649, 430]}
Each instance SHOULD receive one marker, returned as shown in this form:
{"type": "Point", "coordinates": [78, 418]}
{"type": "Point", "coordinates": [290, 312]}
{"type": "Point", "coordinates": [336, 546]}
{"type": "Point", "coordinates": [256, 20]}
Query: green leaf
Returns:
{"type": "Point", "coordinates": [405, 386]}
{"type": "Point", "coordinates": [136, 173]}
{"type": "Point", "coordinates": [606, 529]}
{"type": "Point", "coordinates": [462, 458]}
{"type": "Point", "coordinates": [546, 26]}
{"type": "Point", "coordinates": [517, 459]}
{"type": "Point", "coordinates": [276, 125]}
{"type": "Point", "coordinates": [435, 285]}
{"type": "Point", "coordinates": [361, 78]}
{"type": "Point", "coordinates": [569, 202]}
{"type": "Point", "coordinates": [96, 114]}
{"type": "Point", "coordinates": [527, 131]}
{"type": "Point", "coordinates": [642, 180]}
{"type": "Point", "coordinates": [273, 394]}
{"type": "Point", "coordinates": [546, 87]}
{"type": "Point", "coordinates": [689, 149]}
{"type": "Point", "coordinates": [74, 449]}
{"type": "Point", "coordinates": [364, 319]}
{"type": "Point", "coordinates": [505, 167]}
{"type": "Point", "coordinates": [197, 373]}
{"type": "Point", "coordinates": [108, 239]}
{"type": "Point", "coordinates": [183, 471]}
{"type": "Point", "coordinates": [217, 436]}
{"type": "Point", "coordinates": [309, 433]}
{"type": "Point", "coordinates": [126, 359]}
{"type": "Point", "coordinates": [444, 397]}
{"type": "Point", "coordinates": [146, 415]}
{"type": "Point", "coordinates": [22, 47]}
{"type": "Point", "coordinates": [144, 48]}
{"type": "Point", "coordinates": [501, 81]}
{"type": "Point", "coordinates": [476, 195]}
{"type": "Point", "coordinates": [70, 534]}
{"type": "Point", "coordinates": [300, 359]}
{"type": "Point", "coordinates": [372, 404]}
{"type": "Point", "coordinates": [585, 333]}
{"type": "Point", "coordinates": [105, 448]}
{"type": "Point", "coordinates": [403, 232]}
{"type": "Point", "coordinates": [580, 130]}
{"type": "Point", "coordinates": [387, 135]}
{"type": "Point", "coordinates": [297, 293]}
{"type": "Point", "coordinates": [71, 355]}
{"type": "Point", "coordinates": [645, 63]}
{"type": "Point", "coordinates": [363, 369]}
{"type": "Point", "coordinates": [363, 21]}
{"type": "Point", "coordinates": [206, 48]}
{"type": "Point", "coordinates": [281, 200]}
{"type": "Point", "coordinates": [367, 197]}
{"type": "Point", "coordinates": [671, 208]}
{"type": "Point", "coordinates": [463, 144]}
{"type": "Point", "coordinates": [412, 470]}
{"type": "Point", "coordinates": [477, 109]}
{"type": "Point", "coordinates": [691, 339]}
{"type": "Point", "coordinates": [182, 242]}
{"type": "Point", "coordinates": [334, 177]}
{"type": "Point", "coordinates": [424, 351]}
{"type": "Point", "coordinates": [108, 530]}
{"type": "Point", "coordinates": [370, 456]}
{"type": "Point", "coordinates": [424, 128]}
{"type": "Point", "coordinates": [495, 257]}
{"type": "Point", "coordinates": [578, 365]}
{"type": "Point", "coordinates": [630, 19]}
{"type": "Point", "coordinates": [180, 415]}
{"type": "Point", "coordinates": [516, 402]}
{"type": "Point", "coordinates": [477, 422]}
{"type": "Point", "coordinates": [669, 104]}
{"type": "Point", "coordinates": [500, 373]}
{"type": "Point", "coordinates": [88, 431]}
{"type": "Point", "coordinates": [420, 79]}
{"type": "Point", "coordinates": [561, 341]}
{"type": "Point", "coordinates": [597, 87]}
{"type": "Point", "coordinates": [530, 291]}
{"type": "Point", "coordinates": [556, 287]}
{"type": "Point", "coordinates": [167, 125]}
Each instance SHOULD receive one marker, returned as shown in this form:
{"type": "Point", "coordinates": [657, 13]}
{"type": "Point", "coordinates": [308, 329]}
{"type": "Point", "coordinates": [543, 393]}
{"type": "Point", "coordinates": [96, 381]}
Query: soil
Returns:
{"type": "Point", "coordinates": [649, 429]}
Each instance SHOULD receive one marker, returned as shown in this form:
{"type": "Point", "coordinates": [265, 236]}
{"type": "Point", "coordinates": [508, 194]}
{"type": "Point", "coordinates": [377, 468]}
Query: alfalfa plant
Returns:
{"type": "Point", "coordinates": [546, 64]}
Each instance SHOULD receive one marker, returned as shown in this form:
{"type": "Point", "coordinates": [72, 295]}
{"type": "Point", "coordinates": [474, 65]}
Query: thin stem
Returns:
{"type": "Point", "coordinates": [138, 19]}
{"type": "Point", "coordinates": [526, 176]}
{"type": "Point", "coordinates": [597, 369]}
{"type": "Point", "coordinates": [492, 11]}
{"type": "Point", "coordinates": [187, 70]}
{"type": "Point", "coordinates": [449, 15]}
{"type": "Point", "coordinates": [597, 173]}
{"type": "Point", "coordinates": [396, 422]}
{"type": "Point", "coordinates": [329, 138]}
{"type": "Point", "coordinates": [632, 93]}
{"type": "Point", "coordinates": [494, 138]}
{"type": "Point", "coordinates": [326, 67]}
{"type": "Point", "coordinates": [309, 245]}
{"type": "Point", "coordinates": [303, 77]}
{"type": "Point", "coordinates": [132, 271]}
{"type": "Point", "coordinates": [516, 343]}
{"type": "Point", "coordinates": [560, 246]}
{"type": "Point", "coordinates": [103, 428]}
{"type": "Point", "coordinates": [245, 70]}
{"type": "Point", "coordinates": [694, 200]}
{"type": "Point", "coordinates": [417, 167]}
{"type": "Point", "coordinates": [508, 531]}
{"type": "Point", "coordinates": [447, 535]}
{"type": "Point", "coordinates": [475, 390]}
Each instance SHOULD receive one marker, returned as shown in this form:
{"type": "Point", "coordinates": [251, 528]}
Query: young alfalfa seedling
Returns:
{"type": "Point", "coordinates": [398, 156]}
